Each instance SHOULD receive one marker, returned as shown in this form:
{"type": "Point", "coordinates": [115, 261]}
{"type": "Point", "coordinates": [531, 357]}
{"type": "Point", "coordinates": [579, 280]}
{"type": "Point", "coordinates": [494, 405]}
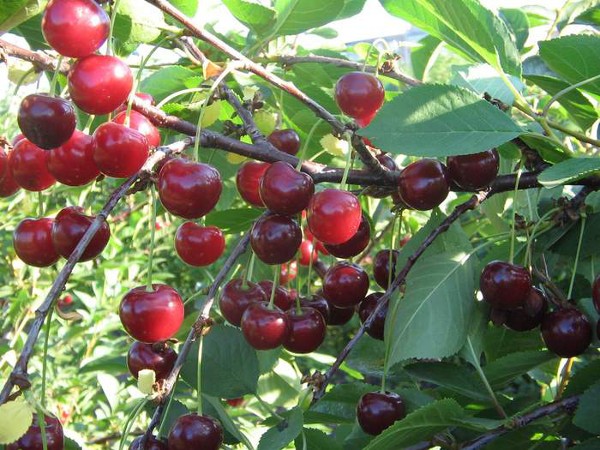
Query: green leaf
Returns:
{"type": "Point", "coordinates": [422, 57]}
{"type": "Point", "coordinates": [567, 245]}
{"type": "Point", "coordinates": [14, 12]}
{"type": "Point", "coordinates": [575, 58]}
{"type": "Point", "coordinates": [589, 17]}
{"type": "Point", "coordinates": [367, 356]}
{"type": "Point", "coordinates": [590, 444]}
{"type": "Point", "coordinates": [474, 31]}
{"type": "Point", "coordinates": [419, 425]}
{"type": "Point", "coordinates": [283, 433]}
{"type": "Point", "coordinates": [339, 404]}
{"type": "Point", "coordinates": [586, 416]}
{"type": "Point", "coordinates": [351, 8]}
{"type": "Point", "coordinates": [518, 22]}
{"type": "Point", "coordinates": [188, 7]}
{"type": "Point", "coordinates": [257, 17]}
{"type": "Point", "coordinates": [176, 410]}
{"type": "Point", "coordinates": [546, 147]}
{"type": "Point", "coordinates": [165, 81]}
{"type": "Point", "coordinates": [482, 79]}
{"type": "Point", "coordinates": [440, 120]}
{"type": "Point", "coordinates": [311, 438]}
{"type": "Point", "coordinates": [583, 378]}
{"type": "Point", "coordinates": [146, 21]}
{"type": "Point", "coordinates": [31, 30]}
{"type": "Point", "coordinates": [296, 16]}
{"type": "Point", "coordinates": [503, 370]}
{"type": "Point", "coordinates": [233, 221]}
{"type": "Point", "coordinates": [568, 171]}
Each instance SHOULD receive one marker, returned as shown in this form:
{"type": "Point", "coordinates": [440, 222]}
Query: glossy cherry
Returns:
{"type": "Point", "coordinates": [151, 316]}
{"type": "Point", "coordinates": [195, 432]}
{"type": "Point", "coordinates": [366, 307]}
{"type": "Point", "coordinates": [339, 316]}
{"type": "Point", "coordinates": [3, 162]}
{"type": "Point", "coordinates": [474, 172]}
{"type": "Point", "coordinates": [307, 330]}
{"type": "Point", "coordinates": [382, 265]}
{"type": "Point", "coordinates": [284, 190]}
{"type": "Point", "coordinates": [319, 303]}
{"type": "Point", "coordinates": [75, 28]}
{"type": "Point", "coordinates": [33, 440]}
{"type": "Point", "coordinates": [151, 444]}
{"type": "Point", "coordinates": [359, 95]}
{"type": "Point", "coordinates": [286, 140]}
{"type": "Point", "coordinates": [199, 246]}
{"type": "Point", "coordinates": [142, 124]}
{"type": "Point", "coordinates": [73, 162]}
{"type": "Point", "coordinates": [28, 166]}
{"type": "Point", "coordinates": [596, 293]}
{"type": "Point", "coordinates": [98, 84]}
{"type": "Point", "coordinates": [345, 284]}
{"type": "Point", "coordinates": [69, 227]}
{"type": "Point", "coordinates": [158, 357]}
{"type": "Point", "coordinates": [282, 298]}
{"type": "Point", "coordinates": [334, 216]}
{"type": "Point", "coordinates": [530, 315]}
{"type": "Point", "coordinates": [46, 121]}
{"type": "Point", "coordinates": [356, 244]}
{"type": "Point", "coordinates": [248, 179]}
{"type": "Point", "coordinates": [505, 285]}
{"type": "Point", "coordinates": [376, 411]}
{"type": "Point", "coordinates": [307, 252]}
{"type": "Point", "coordinates": [275, 239]}
{"type": "Point", "coordinates": [566, 332]}
{"type": "Point", "coordinates": [387, 161]}
{"type": "Point", "coordinates": [265, 328]}
{"type": "Point", "coordinates": [119, 151]}
{"type": "Point", "coordinates": [189, 189]}
{"type": "Point", "coordinates": [423, 185]}
{"type": "Point", "coordinates": [237, 296]}
{"type": "Point", "coordinates": [32, 240]}
{"type": "Point", "coordinates": [8, 185]}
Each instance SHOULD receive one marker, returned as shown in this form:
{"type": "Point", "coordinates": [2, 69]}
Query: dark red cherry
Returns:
{"type": "Point", "coordinates": [235, 402]}
{"type": "Point", "coordinates": [282, 299]}
{"type": "Point", "coordinates": [236, 297]}
{"type": "Point", "coordinates": [288, 272]}
{"type": "Point", "coordinates": [366, 307]}
{"type": "Point", "coordinates": [189, 189]}
{"type": "Point", "coordinates": [474, 172]}
{"type": "Point", "coordinates": [151, 316]}
{"type": "Point", "coordinates": [505, 285]}
{"type": "Point", "coordinates": [359, 95]}
{"type": "Point", "coordinates": [596, 293]}
{"type": "Point", "coordinates": [69, 227]}
{"type": "Point", "coordinates": [307, 330]}
{"type": "Point", "coordinates": [319, 303]}
{"type": "Point", "coordinates": [387, 161]}
{"type": "Point", "coordinates": [46, 121]}
{"type": "Point", "coordinates": [286, 140]}
{"type": "Point", "coordinates": [98, 84]}
{"type": "Point", "coordinates": [28, 166]}
{"type": "Point", "coordinates": [32, 240]}
{"type": "Point", "coordinates": [151, 444]}
{"type": "Point", "coordinates": [264, 328]}
{"type": "Point", "coordinates": [140, 123]}
{"type": "Point", "coordinates": [339, 316]}
{"type": "Point", "coordinates": [119, 151]}
{"type": "Point", "coordinates": [566, 332]}
{"type": "Point", "coordinates": [248, 181]}
{"type": "Point", "coordinates": [195, 432]}
{"type": "Point", "coordinates": [284, 190]}
{"type": "Point", "coordinates": [382, 266]}
{"type": "Point", "coordinates": [199, 246]}
{"type": "Point", "coordinates": [334, 216]}
{"type": "Point", "coordinates": [423, 185]}
{"type": "Point", "coordinates": [356, 244]}
{"type": "Point", "coordinates": [33, 440]}
{"type": "Point", "coordinates": [73, 162]}
{"type": "Point", "coordinates": [530, 315]}
{"type": "Point", "coordinates": [345, 284]}
{"type": "Point", "coordinates": [377, 411]}
{"type": "Point", "coordinates": [3, 162]}
{"type": "Point", "coordinates": [306, 249]}
{"type": "Point", "coordinates": [8, 185]}
{"type": "Point", "coordinates": [75, 28]}
{"type": "Point", "coordinates": [275, 239]}
{"type": "Point", "coordinates": [158, 357]}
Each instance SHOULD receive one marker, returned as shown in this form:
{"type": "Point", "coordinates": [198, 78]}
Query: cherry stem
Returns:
{"type": "Point", "coordinates": [581, 231]}
{"type": "Point", "coordinates": [199, 373]}
{"type": "Point", "coordinates": [88, 124]}
{"type": "Point", "coordinates": [113, 17]}
{"type": "Point", "coordinates": [129, 422]}
{"type": "Point", "coordinates": [347, 167]}
{"type": "Point", "coordinates": [267, 407]}
{"type": "Point", "coordinates": [54, 80]}
{"type": "Point", "coordinates": [167, 408]}
{"type": "Point", "coordinates": [534, 233]}
{"type": "Point", "coordinates": [41, 420]}
{"type": "Point", "coordinates": [514, 214]}
{"type": "Point", "coordinates": [40, 204]}
{"type": "Point", "coordinates": [149, 286]}
{"type": "Point", "coordinates": [391, 252]}
{"type": "Point", "coordinates": [248, 276]}
{"type": "Point", "coordinates": [45, 358]}
{"type": "Point", "coordinates": [302, 154]}
{"type": "Point", "coordinates": [310, 266]}
{"type": "Point", "coordinates": [274, 287]}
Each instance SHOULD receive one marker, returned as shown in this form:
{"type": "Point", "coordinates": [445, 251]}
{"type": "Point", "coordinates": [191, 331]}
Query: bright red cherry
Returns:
{"type": "Point", "coordinates": [359, 95]}
{"type": "Point", "coordinates": [334, 216]}
{"type": "Point", "coordinates": [566, 332]}
{"type": "Point", "coordinates": [17, 138]}
{"type": "Point", "coordinates": [158, 357]}
{"type": "Point", "coordinates": [33, 440]}
{"type": "Point", "coordinates": [199, 246]}
{"type": "Point", "coordinates": [377, 411]}
{"type": "Point", "coordinates": [284, 190]}
{"type": "Point", "coordinates": [339, 316]}
{"type": "Point", "coordinates": [530, 315]}
{"type": "Point", "coordinates": [98, 84]}
{"type": "Point", "coordinates": [423, 185]}
{"type": "Point", "coordinates": [289, 271]}
{"type": "Point", "coordinates": [151, 444]}
{"type": "Point", "coordinates": [474, 172]}
{"type": "Point", "coordinates": [307, 330]}
{"type": "Point", "coordinates": [32, 241]}
{"type": "Point", "coordinates": [282, 299]}
{"type": "Point", "coordinates": [306, 249]}
{"type": "Point", "coordinates": [8, 185]}
{"type": "Point", "coordinates": [505, 285]}
{"type": "Point", "coordinates": [345, 284]}
{"type": "Point", "coordinates": [189, 189]}
{"type": "Point", "coordinates": [195, 432]}
{"type": "Point", "coordinates": [356, 244]}
{"type": "Point", "coordinates": [275, 239]}
{"type": "Point", "coordinates": [286, 140]}
{"type": "Point", "coordinates": [46, 121]}
{"type": "Point", "coordinates": [248, 181]}
{"type": "Point", "coordinates": [264, 328]}
{"type": "Point", "coordinates": [367, 306]}
{"type": "Point", "coordinates": [596, 293]}
{"type": "Point", "coordinates": [28, 166]}
{"type": "Point", "coordinates": [75, 28]}
{"type": "Point", "coordinates": [142, 124]}
{"type": "Point", "coordinates": [119, 151]}
{"type": "Point", "coordinates": [151, 316]}
{"type": "Point", "coordinates": [382, 266]}
{"type": "Point", "coordinates": [73, 162]}
{"type": "Point", "coordinates": [236, 297]}
{"type": "Point", "coordinates": [69, 227]}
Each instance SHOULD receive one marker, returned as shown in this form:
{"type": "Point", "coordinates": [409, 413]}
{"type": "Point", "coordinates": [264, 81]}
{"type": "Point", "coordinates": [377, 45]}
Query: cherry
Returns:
{"type": "Point", "coordinates": [28, 166]}
{"type": "Point", "coordinates": [235, 402]}
{"type": "Point", "coordinates": [3, 162]}
{"type": "Point", "coordinates": [157, 357]}
{"type": "Point", "coordinates": [33, 440]}
{"type": "Point", "coordinates": [359, 95]}
{"type": "Point", "coordinates": [387, 161]}
{"type": "Point", "coordinates": [46, 121]}
{"type": "Point", "coordinates": [8, 185]}
{"type": "Point", "coordinates": [32, 240]}
{"type": "Point", "coordinates": [286, 140]}
{"type": "Point", "coordinates": [505, 285]}
{"type": "Point", "coordinates": [596, 293]}
{"type": "Point", "coordinates": [423, 185]}
{"type": "Point", "coordinates": [142, 96]}
{"type": "Point", "coordinates": [356, 244]}
{"type": "Point", "coordinates": [474, 172]}
{"type": "Point", "coordinates": [151, 316]}
{"type": "Point", "coordinates": [275, 239]}
{"type": "Point", "coordinates": [73, 162]}
{"type": "Point", "coordinates": [334, 216]}
{"type": "Point", "coordinates": [566, 332]}
{"type": "Point", "coordinates": [339, 316]}
{"type": "Point", "coordinates": [189, 189]}
{"type": "Point", "coordinates": [307, 330]}
{"type": "Point", "coordinates": [288, 272]}
{"type": "Point", "coordinates": [69, 227]}
{"type": "Point", "coordinates": [119, 151]}
{"type": "Point", "coordinates": [236, 297]}
{"type": "Point", "coordinates": [98, 84]}
{"type": "Point", "coordinates": [192, 431]}
{"type": "Point", "coordinates": [345, 284]}
{"type": "Point", "coordinates": [530, 315]}
{"type": "Point", "coordinates": [265, 328]}
{"type": "Point", "coordinates": [319, 303]}
{"type": "Point", "coordinates": [381, 267]}
{"type": "Point", "coordinates": [282, 299]}
{"type": "Point", "coordinates": [376, 411]}
{"type": "Point", "coordinates": [306, 249]}
{"type": "Point", "coordinates": [75, 28]}
{"type": "Point", "coordinates": [151, 444]}
{"type": "Point", "coordinates": [284, 190]}
{"type": "Point", "coordinates": [248, 181]}
{"type": "Point", "coordinates": [141, 124]}
{"type": "Point", "coordinates": [367, 306]}
{"type": "Point", "coordinates": [19, 137]}
{"type": "Point", "coordinates": [199, 246]}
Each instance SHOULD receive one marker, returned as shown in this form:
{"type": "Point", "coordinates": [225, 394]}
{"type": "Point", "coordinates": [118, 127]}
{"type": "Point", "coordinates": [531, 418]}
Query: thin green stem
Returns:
{"type": "Point", "coordinates": [129, 422]}
{"type": "Point", "coordinates": [565, 91]}
{"type": "Point", "coordinates": [310, 266]}
{"type": "Point", "coordinates": [199, 373]}
{"type": "Point", "coordinates": [302, 153]}
{"type": "Point", "coordinates": [576, 134]}
{"type": "Point", "coordinates": [45, 358]}
{"type": "Point", "coordinates": [168, 407]}
{"type": "Point", "coordinates": [149, 287]}
{"type": "Point", "coordinates": [22, 80]}
{"type": "Point", "coordinates": [41, 420]}
{"type": "Point", "coordinates": [348, 164]}
{"type": "Point", "coordinates": [54, 80]}
{"type": "Point", "coordinates": [274, 287]}
{"type": "Point", "coordinates": [88, 124]}
{"type": "Point", "coordinates": [248, 276]}
{"type": "Point", "coordinates": [581, 231]}
{"type": "Point", "coordinates": [40, 204]}
{"type": "Point", "coordinates": [170, 97]}
{"type": "Point", "coordinates": [267, 407]}
{"type": "Point", "coordinates": [391, 253]}
{"type": "Point", "coordinates": [528, 251]}
{"type": "Point", "coordinates": [113, 17]}
{"type": "Point", "coordinates": [514, 214]}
